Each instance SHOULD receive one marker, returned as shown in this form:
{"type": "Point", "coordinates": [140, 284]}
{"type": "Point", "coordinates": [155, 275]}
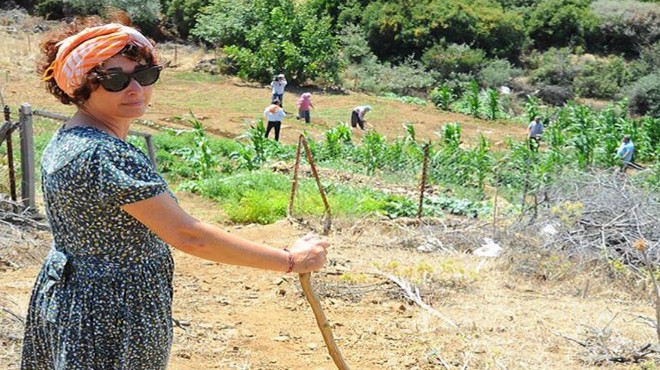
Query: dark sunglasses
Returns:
{"type": "Point", "coordinates": [117, 81]}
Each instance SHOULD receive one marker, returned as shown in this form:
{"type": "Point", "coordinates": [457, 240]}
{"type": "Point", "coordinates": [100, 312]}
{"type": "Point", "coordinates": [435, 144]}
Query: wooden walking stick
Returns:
{"type": "Point", "coordinates": [322, 322]}
{"type": "Point", "coordinates": [306, 278]}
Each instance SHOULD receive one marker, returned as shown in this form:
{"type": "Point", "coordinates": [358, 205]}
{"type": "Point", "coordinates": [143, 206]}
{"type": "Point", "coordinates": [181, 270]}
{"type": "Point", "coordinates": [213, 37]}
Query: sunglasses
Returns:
{"type": "Point", "coordinates": [117, 81]}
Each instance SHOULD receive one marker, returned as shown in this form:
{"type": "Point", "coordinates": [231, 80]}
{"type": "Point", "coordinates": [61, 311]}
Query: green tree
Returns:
{"type": "Point", "coordinates": [144, 13]}
{"type": "Point", "coordinates": [182, 14]}
{"type": "Point", "coordinates": [265, 38]}
{"type": "Point", "coordinates": [561, 22]}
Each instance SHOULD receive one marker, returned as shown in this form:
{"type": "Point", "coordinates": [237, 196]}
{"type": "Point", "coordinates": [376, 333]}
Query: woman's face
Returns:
{"type": "Point", "coordinates": [129, 103]}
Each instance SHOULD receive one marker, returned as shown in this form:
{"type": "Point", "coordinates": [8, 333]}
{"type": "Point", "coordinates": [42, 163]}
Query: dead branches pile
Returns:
{"type": "Point", "coordinates": [23, 236]}
{"type": "Point", "coordinates": [600, 215]}
{"type": "Point", "coordinates": [24, 241]}
{"type": "Point", "coordinates": [601, 346]}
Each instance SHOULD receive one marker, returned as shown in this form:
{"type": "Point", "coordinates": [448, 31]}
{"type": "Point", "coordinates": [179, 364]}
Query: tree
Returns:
{"type": "Point", "coordinates": [561, 22]}
{"type": "Point", "coordinates": [265, 38]}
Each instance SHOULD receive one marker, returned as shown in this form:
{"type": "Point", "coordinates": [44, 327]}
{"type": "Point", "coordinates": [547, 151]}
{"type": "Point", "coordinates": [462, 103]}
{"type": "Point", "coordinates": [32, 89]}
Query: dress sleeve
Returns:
{"type": "Point", "coordinates": [125, 175]}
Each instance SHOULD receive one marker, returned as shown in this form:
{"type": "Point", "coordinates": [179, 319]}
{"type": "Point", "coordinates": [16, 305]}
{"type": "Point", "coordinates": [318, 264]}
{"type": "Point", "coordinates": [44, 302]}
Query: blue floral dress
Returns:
{"type": "Point", "coordinates": [103, 297]}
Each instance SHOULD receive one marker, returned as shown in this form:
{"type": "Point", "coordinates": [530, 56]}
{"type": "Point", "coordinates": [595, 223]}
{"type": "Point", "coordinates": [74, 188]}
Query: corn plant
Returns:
{"type": "Point", "coordinates": [372, 152]}
{"type": "Point", "coordinates": [201, 157]}
{"type": "Point", "coordinates": [473, 99]}
{"type": "Point", "coordinates": [493, 104]}
{"type": "Point", "coordinates": [480, 161]}
{"type": "Point", "coordinates": [252, 154]}
{"type": "Point", "coordinates": [410, 133]}
{"type": "Point", "coordinates": [442, 97]}
{"type": "Point", "coordinates": [451, 135]}
{"type": "Point", "coordinates": [610, 130]}
{"type": "Point", "coordinates": [450, 163]}
{"type": "Point", "coordinates": [650, 139]}
{"type": "Point", "coordinates": [336, 140]}
{"type": "Point", "coordinates": [584, 138]}
{"type": "Point", "coordinates": [532, 108]}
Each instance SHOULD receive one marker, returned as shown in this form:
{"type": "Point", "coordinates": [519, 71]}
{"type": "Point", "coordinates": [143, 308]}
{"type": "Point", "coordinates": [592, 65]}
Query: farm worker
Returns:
{"type": "Point", "coordinates": [304, 106]}
{"type": "Point", "coordinates": [278, 85]}
{"type": "Point", "coordinates": [357, 115]}
{"type": "Point", "coordinates": [626, 152]}
{"type": "Point", "coordinates": [534, 132]}
{"type": "Point", "coordinates": [274, 115]}
{"type": "Point", "coordinates": [103, 298]}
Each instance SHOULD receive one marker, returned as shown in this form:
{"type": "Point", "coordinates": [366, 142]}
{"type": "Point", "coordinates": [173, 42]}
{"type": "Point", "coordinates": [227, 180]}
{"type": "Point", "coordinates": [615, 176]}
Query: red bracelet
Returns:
{"type": "Point", "coordinates": [292, 263]}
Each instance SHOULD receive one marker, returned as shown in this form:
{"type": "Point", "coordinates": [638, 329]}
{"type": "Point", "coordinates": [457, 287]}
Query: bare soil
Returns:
{"type": "Point", "coordinates": [236, 318]}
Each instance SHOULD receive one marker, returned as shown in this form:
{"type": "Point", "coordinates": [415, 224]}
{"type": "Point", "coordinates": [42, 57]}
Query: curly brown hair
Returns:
{"type": "Point", "coordinates": [49, 52]}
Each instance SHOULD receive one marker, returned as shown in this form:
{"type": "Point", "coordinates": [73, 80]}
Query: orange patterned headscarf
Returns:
{"type": "Point", "coordinates": [80, 53]}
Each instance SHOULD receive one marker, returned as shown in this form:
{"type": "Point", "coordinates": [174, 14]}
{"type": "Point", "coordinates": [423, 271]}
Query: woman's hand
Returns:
{"type": "Point", "coordinates": [309, 253]}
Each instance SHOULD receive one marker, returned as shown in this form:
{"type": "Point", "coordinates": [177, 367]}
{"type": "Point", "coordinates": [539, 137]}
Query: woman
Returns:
{"type": "Point", "coordinates": [304, 107]}
{"type": "Point", "coordinates": [274, 115]}
{"type": "Point", "coordinates": [357, 116]}
{"type": "Point", "coordinates": [103, 297]}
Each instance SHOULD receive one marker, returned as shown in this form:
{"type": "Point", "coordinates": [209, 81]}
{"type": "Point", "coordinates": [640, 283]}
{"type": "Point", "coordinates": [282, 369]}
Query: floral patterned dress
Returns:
{"type": "Point", "coordinates": [103, 297]}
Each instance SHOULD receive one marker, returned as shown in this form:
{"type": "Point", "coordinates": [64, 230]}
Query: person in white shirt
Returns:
{"type": "Point", "coordinates": [278, 85]}
{"type": "Point", "coordinates": [357, 115]}
{"type": "Point", "coordinates": [274, 114]}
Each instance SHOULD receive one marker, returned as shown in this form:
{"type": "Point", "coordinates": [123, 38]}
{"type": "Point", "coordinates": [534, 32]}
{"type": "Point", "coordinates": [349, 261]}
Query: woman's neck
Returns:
{"type": "Point", "coordinates": [86, 117]}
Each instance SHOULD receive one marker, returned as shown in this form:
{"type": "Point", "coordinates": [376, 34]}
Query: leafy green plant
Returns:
{"type": "Point", "coordinates": [473, 99]}
{"type": "Point", "coordinates": [481, 161]}
{"type": "Point", "coordinates": [493, 106]}
{"type": "Point", "coordinates": [200, 156]}
{"type": "Point", "coordinates": [442, 97]}
{"type": "Point", "coordinates": [337, 140]}
{"type": "Point", "coordinates": [584, 141]}
{"type": "Point", "coordinates": [532, 109]}
{"type": "Point", "coordinates": [373, 151]}
{"type": "Point", "coordinates": [396, 206]}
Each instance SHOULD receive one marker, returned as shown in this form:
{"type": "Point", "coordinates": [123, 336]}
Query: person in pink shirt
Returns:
{"type": "Point", "coordinates": [304, 107]}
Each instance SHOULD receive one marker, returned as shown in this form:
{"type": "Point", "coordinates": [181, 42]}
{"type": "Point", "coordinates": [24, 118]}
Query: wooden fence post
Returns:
{"type": "Point", "coordinates": [10, 155]}
{"type": "Point", "coordinates": [422, 183]}
{"type": "Point", "coordinates": [150, 149]}
{"type": "Point", "coordinates": [27, 158]}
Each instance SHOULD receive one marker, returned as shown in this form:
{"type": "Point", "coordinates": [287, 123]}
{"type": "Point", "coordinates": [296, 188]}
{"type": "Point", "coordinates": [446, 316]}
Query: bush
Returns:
{"type": "Point", "coordinates": [625, 25]}
{"type": "Point", "coordinates": [644, 96]}
{"type": "Point", "coordinates": [368, 74]}
{"type": "Point", "coordinates": [602, 79]}
{"type": "Point", "coordinates": [497, 72]}
{"type": "Point", "coordinates": [649, 60]}
{"type": "Point", "coordinates": [555, 95]}
{"type": "Point", "coordinates": [396, 29]}
{"type": "Point", "coordinates": [554, 67]}
{"type": "Point", "coordinates": [52, 9]}
{"type": "Point", "coordinates": [453, 58]}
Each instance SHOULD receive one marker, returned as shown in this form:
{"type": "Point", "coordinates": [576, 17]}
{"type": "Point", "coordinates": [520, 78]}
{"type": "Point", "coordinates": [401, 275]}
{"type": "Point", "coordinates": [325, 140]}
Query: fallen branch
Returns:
{"type": "Point", "coordinates": [412, 293]}
{"type": "Point", "coordinates": [19, 318]}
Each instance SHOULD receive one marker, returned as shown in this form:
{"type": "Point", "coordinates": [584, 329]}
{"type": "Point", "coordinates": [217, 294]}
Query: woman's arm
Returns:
{"type": "Point", "coordinates": [162, 215]}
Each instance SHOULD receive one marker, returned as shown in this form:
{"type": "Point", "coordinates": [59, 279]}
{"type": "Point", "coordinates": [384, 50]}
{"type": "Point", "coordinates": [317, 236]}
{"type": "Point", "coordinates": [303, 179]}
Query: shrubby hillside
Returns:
{"type": "Point", "coordinates": [602, 49]}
